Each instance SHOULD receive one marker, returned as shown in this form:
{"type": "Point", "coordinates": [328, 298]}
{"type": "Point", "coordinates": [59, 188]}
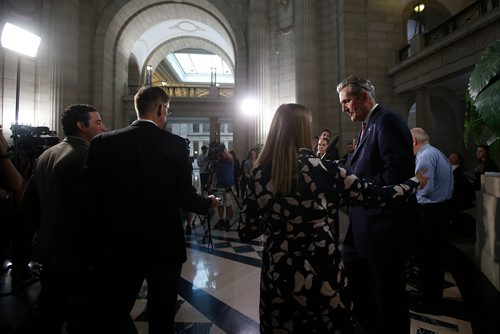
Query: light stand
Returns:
{"type": "Point", "coordinates": [22, 43]}
{"type": "Point", "coordinates": [15, 135]}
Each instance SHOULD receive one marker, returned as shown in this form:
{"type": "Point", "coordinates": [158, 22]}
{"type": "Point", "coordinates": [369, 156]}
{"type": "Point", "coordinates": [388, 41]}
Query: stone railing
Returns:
{"type": "Point", "coordinates": [456, 22]}
{"type": "Point", "coordinates": [190, 91]}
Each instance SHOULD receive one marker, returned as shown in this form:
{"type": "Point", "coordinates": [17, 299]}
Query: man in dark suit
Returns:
{"type": "Point", "coordinates": [137, 180]}
{"type": "Point", "coordinates": [377, 245]}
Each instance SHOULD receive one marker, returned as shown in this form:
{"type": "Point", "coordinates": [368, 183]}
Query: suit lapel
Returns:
{"type": "Point", "coordinates": [369, 125]}
{"type": "Point", "coordinates": [357, 150]}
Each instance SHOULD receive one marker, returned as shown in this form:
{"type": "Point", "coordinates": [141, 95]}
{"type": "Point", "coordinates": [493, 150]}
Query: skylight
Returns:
{"type": "Point", "coordinates": [199, 67]}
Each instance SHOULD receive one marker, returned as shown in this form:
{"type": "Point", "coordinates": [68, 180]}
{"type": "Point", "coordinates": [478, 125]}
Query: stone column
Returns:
{"type": "Point", "coordinates": [258, 68]}
{"type": "Point", "coordinates": [423, 113]}
{"type": "Point", "coordinates": [214, 129]}
{"type": "Point", "coordinates": [63, 57]}
{"type": "Point", "coordinates": [306, 55]}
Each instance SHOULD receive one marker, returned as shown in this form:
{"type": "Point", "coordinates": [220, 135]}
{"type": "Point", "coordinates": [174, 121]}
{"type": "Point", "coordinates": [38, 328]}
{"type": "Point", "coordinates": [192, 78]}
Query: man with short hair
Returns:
{"type": "Point", "coordinates": [139, 177]}
{"type": "Point", "coordinates": [377, 243]}
{"type": "Point", "coordinates": [51, 199]}
{"type": "Point", "coordinates": [325, 133]}
{"type": "Point", "coordinates": [333, 152]}
{"type": "Point", "coordinates": [433, 212]}
{"type": "Point", "coordinates": [346, 159]}
{"type": "Point", "coordinates": [203, 162]}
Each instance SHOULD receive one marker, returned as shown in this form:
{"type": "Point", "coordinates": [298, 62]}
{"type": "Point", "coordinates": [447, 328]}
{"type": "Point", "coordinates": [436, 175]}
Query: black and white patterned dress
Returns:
{"type": "Point", "coordinates": [303, 285]}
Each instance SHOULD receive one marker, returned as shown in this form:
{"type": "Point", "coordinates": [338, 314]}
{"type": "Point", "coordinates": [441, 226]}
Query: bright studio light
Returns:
{"type": "Point", "coordinates": [20, 40]}
{"type": "Point", "coordinates": [249, 106]}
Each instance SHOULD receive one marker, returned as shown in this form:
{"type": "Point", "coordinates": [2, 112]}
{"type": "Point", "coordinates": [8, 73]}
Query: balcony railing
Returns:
{"type": "Point", "coordinates": [464, 18]}
{"type": "Point", "coordinates": [189, 91]}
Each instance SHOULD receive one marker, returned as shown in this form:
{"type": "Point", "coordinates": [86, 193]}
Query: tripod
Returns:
{"type": "Point", "coordinates": [207, 235]}
{"type": "Point", "coordinates": [224, 169]}
{"type": "Point", "coordinates": [211, 188]}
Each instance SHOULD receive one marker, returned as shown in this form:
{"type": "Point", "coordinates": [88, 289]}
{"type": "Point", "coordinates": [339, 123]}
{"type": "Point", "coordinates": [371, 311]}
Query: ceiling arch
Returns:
{"type": "Point", "coordinates": [181, 27]}
{"type": "Point", "coordinates": [122, 23]}
{"type": "Point", "coordinates": [171, 21]}
{"type": "Point", "coordinates": [157, 55]}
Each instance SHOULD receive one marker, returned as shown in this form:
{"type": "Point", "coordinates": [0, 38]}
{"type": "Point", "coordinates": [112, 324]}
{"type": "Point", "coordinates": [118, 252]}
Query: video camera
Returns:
{"type": "Point", "coordinates": [215, 151]}
{"type": "Point", "coordinates": [32, 141]}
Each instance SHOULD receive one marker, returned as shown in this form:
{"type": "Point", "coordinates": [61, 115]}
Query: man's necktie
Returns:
{"type": "Point", "coordinates": [363, 127]}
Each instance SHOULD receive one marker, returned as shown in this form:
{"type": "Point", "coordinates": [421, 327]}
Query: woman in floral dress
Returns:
{"type": "Point", "coordinates": [295, 196]}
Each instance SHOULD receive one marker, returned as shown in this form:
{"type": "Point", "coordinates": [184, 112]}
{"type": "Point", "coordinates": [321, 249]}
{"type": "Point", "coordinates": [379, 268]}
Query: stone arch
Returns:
{"type": "Point", "coordinates": [446, 118]}
{"type": "Point", "coordinates": [172, 45]}
{"type": "Point", "coordinates": [113, 36]}
{"type": "Point", "coordinates": [134, 75]}
{"type": "Point", "coordinates": [434, 13]}
{"type": "Point", "coordinates": [445, 122]}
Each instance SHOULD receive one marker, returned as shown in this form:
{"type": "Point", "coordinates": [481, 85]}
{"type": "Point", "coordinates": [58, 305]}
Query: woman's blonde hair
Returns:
{"type": "Point", "coordinates": [290, 130]}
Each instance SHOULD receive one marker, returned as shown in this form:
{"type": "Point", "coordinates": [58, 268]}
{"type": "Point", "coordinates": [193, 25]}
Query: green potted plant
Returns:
{"type": "Point", "coordinates": [482, 120]}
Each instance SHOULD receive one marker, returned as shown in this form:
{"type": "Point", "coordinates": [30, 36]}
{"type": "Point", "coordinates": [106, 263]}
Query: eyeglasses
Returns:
{"type": "Point", "coordinates": [168, 109]}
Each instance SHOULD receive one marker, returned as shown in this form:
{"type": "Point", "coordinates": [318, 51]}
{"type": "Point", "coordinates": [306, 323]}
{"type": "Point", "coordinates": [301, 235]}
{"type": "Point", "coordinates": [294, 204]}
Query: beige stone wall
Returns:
{"type": "Point", "coordinates": [330, 115]}
{"type": "Point", "coordinates": [488, 228]}
{"type": "Point", "coordinates": [282, 53]}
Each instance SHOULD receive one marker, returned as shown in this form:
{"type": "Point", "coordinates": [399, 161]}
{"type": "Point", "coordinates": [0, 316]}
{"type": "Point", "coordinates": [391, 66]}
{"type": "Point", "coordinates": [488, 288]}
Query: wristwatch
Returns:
{"type": "Point", "coordinates": [5, 156]}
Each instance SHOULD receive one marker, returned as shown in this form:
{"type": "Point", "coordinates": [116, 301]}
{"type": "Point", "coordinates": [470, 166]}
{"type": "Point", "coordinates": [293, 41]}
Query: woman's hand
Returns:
{"type": "Point", "coordinates": [421, 178]}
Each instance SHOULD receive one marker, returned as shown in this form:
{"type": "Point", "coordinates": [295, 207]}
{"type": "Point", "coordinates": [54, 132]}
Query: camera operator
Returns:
{"type": "Point", "coordinates": [224, 170]}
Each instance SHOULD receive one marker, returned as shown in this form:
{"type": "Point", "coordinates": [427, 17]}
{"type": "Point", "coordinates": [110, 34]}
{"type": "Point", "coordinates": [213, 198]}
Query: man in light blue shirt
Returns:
{"type": "Point", "coordinates": [433, 215]}
{"type": "Point", "coordinates": [439, 188]}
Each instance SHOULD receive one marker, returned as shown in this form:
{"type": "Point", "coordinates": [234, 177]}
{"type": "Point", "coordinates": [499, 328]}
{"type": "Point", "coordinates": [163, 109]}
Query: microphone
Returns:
{"type": "Point", "coordinates": [331, 146]}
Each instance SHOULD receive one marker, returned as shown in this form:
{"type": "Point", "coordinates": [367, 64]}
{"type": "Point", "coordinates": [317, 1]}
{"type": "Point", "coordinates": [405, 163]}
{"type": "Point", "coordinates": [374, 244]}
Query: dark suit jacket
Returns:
{"type": "Point", "coordinates": [383, 156]}
{"type": "Point", "coordinates": [137, 179]}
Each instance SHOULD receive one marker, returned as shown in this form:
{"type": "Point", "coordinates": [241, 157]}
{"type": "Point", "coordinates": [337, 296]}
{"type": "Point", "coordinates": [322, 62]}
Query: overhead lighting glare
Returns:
{"type": "Point", "coordinates": [419, 8]}
{"type": "Point", "coordinates": [249, 107]}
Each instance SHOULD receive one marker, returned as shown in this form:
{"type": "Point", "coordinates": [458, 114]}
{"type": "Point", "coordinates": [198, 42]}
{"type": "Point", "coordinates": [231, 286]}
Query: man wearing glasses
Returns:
{"type": "Point", "coordinates": [139, 177]}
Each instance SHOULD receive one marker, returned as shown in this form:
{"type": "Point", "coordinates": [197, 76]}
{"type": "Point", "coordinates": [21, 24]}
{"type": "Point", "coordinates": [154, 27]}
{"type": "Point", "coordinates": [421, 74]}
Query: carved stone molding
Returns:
{"type": "Point", "coordinates": [186, 26]}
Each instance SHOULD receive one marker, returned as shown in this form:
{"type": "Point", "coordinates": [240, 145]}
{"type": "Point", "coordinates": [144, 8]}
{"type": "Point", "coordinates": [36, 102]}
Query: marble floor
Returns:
{"type": "Point", "coordinates": [219, 292]}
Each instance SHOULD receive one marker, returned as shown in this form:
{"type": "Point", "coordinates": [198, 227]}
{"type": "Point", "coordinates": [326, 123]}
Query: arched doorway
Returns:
{"type": "Point", "coordinates": [125, 29]}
